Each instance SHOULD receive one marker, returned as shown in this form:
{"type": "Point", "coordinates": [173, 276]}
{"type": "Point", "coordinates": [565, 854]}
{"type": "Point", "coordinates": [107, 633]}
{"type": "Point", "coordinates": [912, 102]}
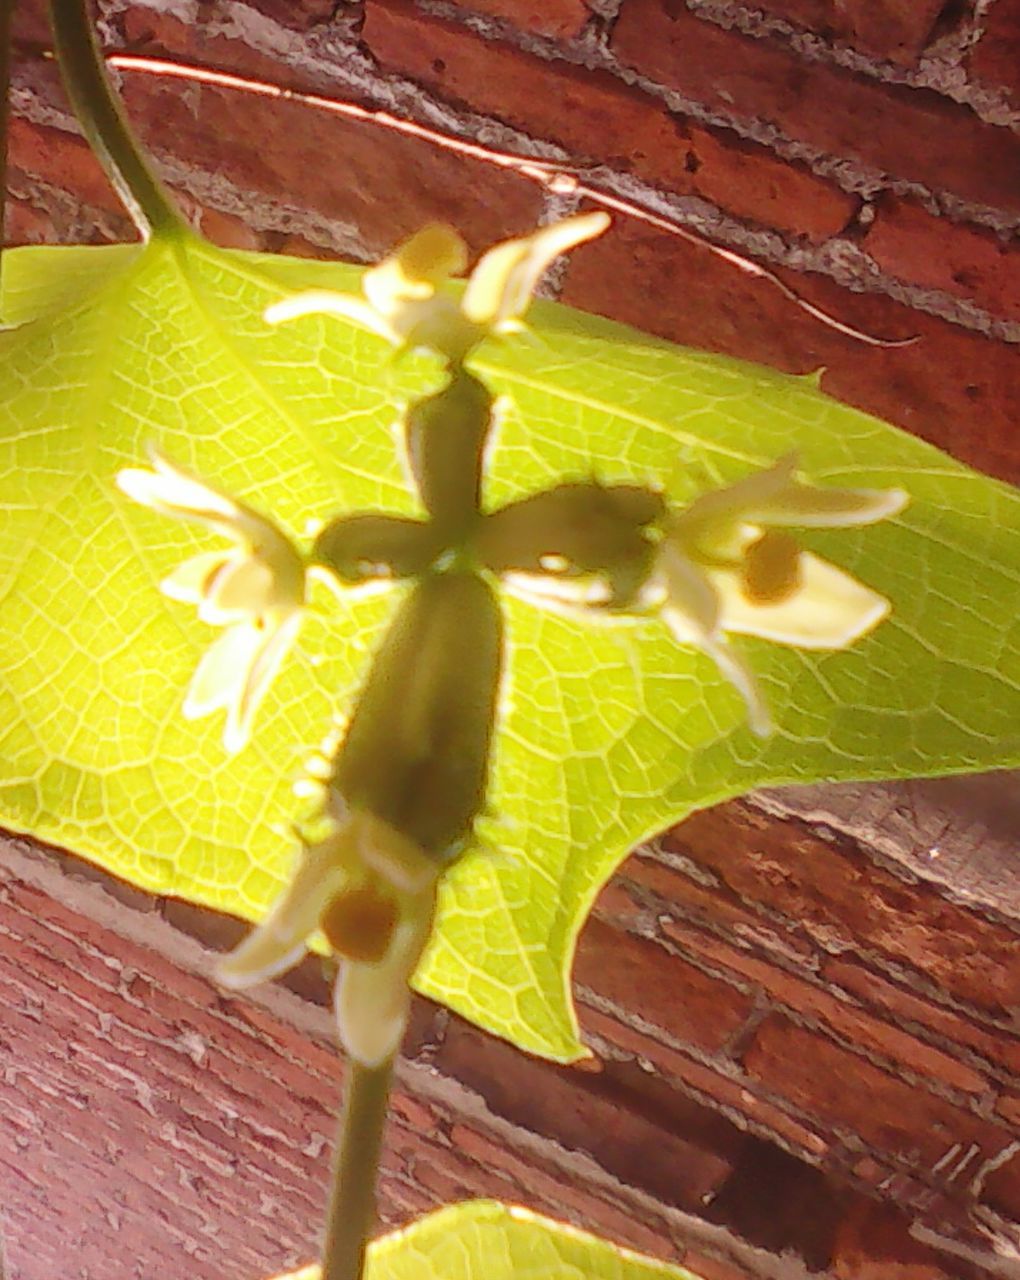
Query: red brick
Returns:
{"type": "Point", "coordinates": [299, 14]}
{"type": "Point", "coordinates": [752, 183]}
{"type": "Point", "coordinates": [873, 1242]}
{"type": "Point", "coordinates": [953, 387]}
{"type": "Point", "coordinates": [385, 184]}
{"type": "Point", "coordinates": [1002, 1188]}
{"type": "Point", "coordinates": [911, 245]}
{"type": "Point", "coordinates": [706, 1267]}
{"type": "Point", "coordinates": [61, 158]}
{"type": "Point", "coordinates": [841, 896]}
{"type": "Point", "coordinates": [715, 907]}
{"type": "Point", "coordinates": [561, 19]}
{"type": "Point", "coordinates": [646, 981]}
{"type": "Point", "coordinates": [893, 29]}
{"type": "Point", "coordinates": [30, 25]}
{"type": "Point", "coordinates": [544, 1099]}
{"type": "Point", "coordinates": [552, 1193]}
{"type": "Point", "coordinates": [995, 58]}
{"type": "Point", "coordinates": [707, 1083]}
{"type": "Point", "coordinates": [811, 1001]}
{"type": "Point", "coordinates": [596, 117]}
{"type": "Point", "coordinates": [1000, 1047]}
{"type": "Point", "coordinates": [229, 231]}
{"type": "Point", "coordinates": [1008, 1106]}
{"type": "Point", "coordinates": [912, 133]}
{"type": "Point", "coordinates": [841, 1088]}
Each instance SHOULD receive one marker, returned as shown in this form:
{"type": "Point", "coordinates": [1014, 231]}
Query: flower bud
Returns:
{"type": "Point", "coordinates": [446, 436]}
{"type": "Point", "coordinates": [359, 548]}
{"type": "Point", "coordinates": [573, 530]}
{"type": "Point", "coordinates": [416, 752]}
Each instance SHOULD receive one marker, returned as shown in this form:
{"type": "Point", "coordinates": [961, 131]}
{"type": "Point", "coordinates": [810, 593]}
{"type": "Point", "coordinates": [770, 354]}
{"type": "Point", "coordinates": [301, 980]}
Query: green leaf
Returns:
{"type": "Point", "coordinates": [485, 1240]}
{"type": "Point", "coordinates": [609, 733]}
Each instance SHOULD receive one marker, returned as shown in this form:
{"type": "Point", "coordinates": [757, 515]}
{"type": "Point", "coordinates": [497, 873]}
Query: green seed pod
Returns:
{"type": "Point", "coordinates": [446, 436]}
{"type": "Point", "coordinates": [416, 753]}
{"type": "Point", "coordinates": [361, 547]}
{"type": "Point", "coordinates": [573, 530]}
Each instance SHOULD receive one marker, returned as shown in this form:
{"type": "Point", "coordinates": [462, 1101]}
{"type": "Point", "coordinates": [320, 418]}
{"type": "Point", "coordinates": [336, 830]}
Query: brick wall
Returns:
{"type": "Point", "coordinates": [866, 150]}
{"type": "Point", "coordinates": [807, 1064]}
{"type": "Point", "coordinates": [804, 1044]}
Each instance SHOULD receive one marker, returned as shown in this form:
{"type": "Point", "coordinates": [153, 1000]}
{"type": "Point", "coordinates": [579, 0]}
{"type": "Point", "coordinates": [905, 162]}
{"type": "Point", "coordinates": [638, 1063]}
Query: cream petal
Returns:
{"type": "Point", "coordinates": [222, 671]}
{"type": "Point", "coordinates": [268, 654]}
{"type": "Point", "coordinates": [691, 607]}
{"type": "Point", "coordinates": [829, 610]}
{"type": "Point", "coordinates": [430, 256]}
{"type": "Point", "coordinates": [733, 502]}
{"type": "Point", "coordinates": [187, 492]}
{"type": "Point", "coordinates": [243, 588]}
{"type": "Point", "coordinates": [372, 1000]}
{"type": "Point", "coordinates": [399, 861]}
{"type": "Point", "coordinates": [325, 302]}
{"type": "Point", "coordinates": [279, 941]}
{"type": "Point", "coordinates": [808, 507]}
{"type": "Point", "coordinates": [502, 284]}
{"type": "Point", "coordinates": [740, 675]}
{"type": "Point", "coordinates": [188, 582]}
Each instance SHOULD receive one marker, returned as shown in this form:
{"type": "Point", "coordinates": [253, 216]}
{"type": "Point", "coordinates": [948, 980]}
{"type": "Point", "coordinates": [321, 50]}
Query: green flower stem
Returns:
{"type": "Point", "coordinates": [101, 117]}
{"type": "Point", "coordinates": [355, 1170]}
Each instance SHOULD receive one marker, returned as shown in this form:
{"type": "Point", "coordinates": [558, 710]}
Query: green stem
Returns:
{"type": "Point", "coordinates": [6, 11]}
{"type": "Point", "coordinates": [355, 1170]}
{"type": "Point", "coordinates": [105, 125]}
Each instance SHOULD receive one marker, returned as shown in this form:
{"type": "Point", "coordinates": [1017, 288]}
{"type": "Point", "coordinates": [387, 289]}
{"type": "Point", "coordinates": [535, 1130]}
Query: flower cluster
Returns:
{"type": "Point", "coordinates": [403, 786]}
{"type": "Point", "coordinates": [727, 564]}
{"type": "Point", "coordinates": [255, 589]}
{"type": "Point", "coordinates": [371, 892]}
{"type": "Point", "coordinates": [404, 304]}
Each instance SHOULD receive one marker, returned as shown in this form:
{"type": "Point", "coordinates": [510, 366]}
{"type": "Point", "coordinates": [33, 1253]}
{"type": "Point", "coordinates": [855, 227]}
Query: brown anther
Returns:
{"type": "Point", "coordinates": [770, 570]}
{"type": "Point", "coordinates": [359, 924]}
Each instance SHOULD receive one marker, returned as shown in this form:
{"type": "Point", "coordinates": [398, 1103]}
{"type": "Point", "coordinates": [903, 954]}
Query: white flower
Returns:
{"type": "Point", "coordinates": [372, 894]}
{"type": "Point", "coordinates": [255, 589]}
{"type": "Point", "coordinates": [726, 564]}
{"type": "Point", "coordinates": [402, 304]}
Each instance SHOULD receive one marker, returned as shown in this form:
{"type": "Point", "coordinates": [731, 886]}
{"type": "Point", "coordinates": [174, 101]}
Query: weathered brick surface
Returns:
{"type": "Point", "coordinates": [560, 19]}
{"type": "Point", "coordinates": [842, 1089]}
{"type": "Point", "coordinates": [845, 900]}
{"type": "Point", "coordinates": [952, 387]}
{"type": "Point", "coordinates": [811, 1001]}
{"type": "Point", "coordinates": [300, 14]}
{"type": "Point", "coordinates": [382, 184]}
{"type": "Point", "coordinates": [893, 29]}
{"type": "Point", "coordinates": [721, 1086]}
{"type": "Point", "coordinates": [837, 111]}
{"type": "Point", "coordinates": [581, 1114]}
{"type": "Point", "coordinates": [687, 1003]}
{"type": "Point", "coordinates": [998, 1047]}
{"type": "Point", "coordinates": [995, 59]}
{"type": "Point", "coordinates": [599, 118]}
{"type": "Point", "coordinates": [911, 244]}
{"type": "Point", "coordinates": [874, 1243]}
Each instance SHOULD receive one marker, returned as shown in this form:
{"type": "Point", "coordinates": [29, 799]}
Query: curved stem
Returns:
{"type": "Point", "coordinates": [355, 1170]}
{"type": "Point", "coordinates": [104, 124]}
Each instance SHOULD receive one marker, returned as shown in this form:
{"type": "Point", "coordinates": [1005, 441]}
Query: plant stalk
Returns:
{"type": "Point", "coordinates": [355, 1171]}
{"type": "Point", "coordinates": [105, 126]}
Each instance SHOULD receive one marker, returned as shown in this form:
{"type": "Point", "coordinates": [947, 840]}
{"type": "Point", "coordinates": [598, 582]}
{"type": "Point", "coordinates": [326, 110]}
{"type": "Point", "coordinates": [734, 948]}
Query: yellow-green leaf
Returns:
{"type": "Point", "coordinates": [485, 1240]}
{"type": "Point", "coordinates": [609, 733]}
